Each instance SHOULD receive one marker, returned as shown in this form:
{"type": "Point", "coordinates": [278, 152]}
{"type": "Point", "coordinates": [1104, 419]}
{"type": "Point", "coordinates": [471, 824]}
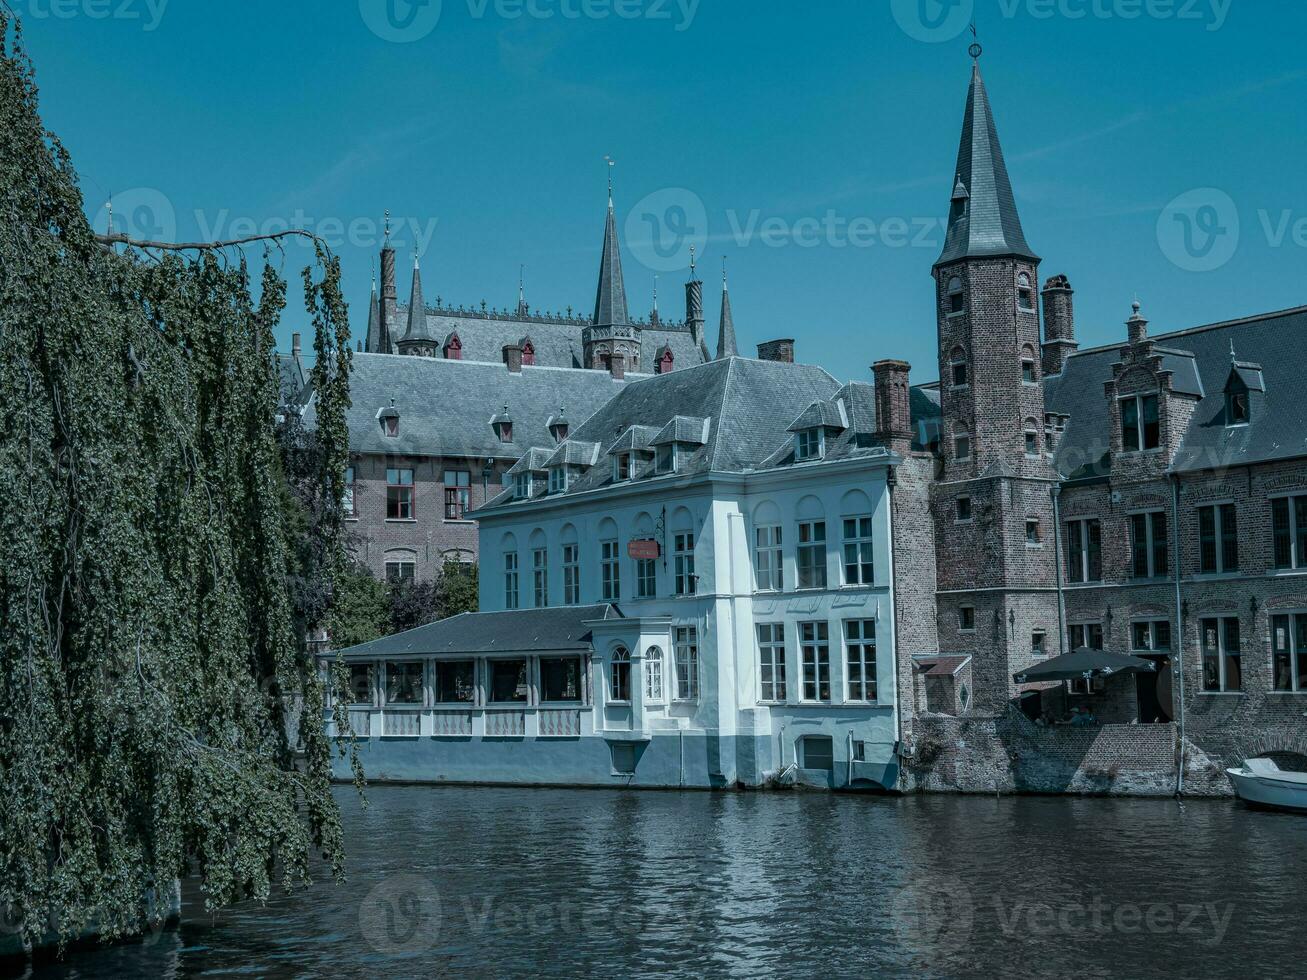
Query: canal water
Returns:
{"type": "Point", "coordinates": [452, 881]}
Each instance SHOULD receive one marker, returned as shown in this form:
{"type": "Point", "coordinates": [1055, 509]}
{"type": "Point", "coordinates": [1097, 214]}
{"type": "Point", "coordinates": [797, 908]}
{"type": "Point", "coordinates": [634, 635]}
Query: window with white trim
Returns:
{"type": "Point", "coordinates": [540, 576]}
{"type": "Point", "coordinates": [1141, 426]}
{"type": "Point", "coordinates": [1289, 653]}
{"type": "Point", "coordinates": [1150, 635]}
{"type": "Point", "coordinates": [1218, 539]}
{"type": "Point", "coordinates": [665, 459]}
{"type": "Point", "coordinates": [511, 595]}
{"type": "Point", "coordinates": [771, 662]}
{"type": "Point", "coordinates": [685, 581]}
{"type": "Point", "coordinates": [1222, 655]}
{"type": "Point", "coordinates": [558, 479]}
{"type": "Point", "coordinates": [522, 486]}
{"type": "Point", "coordinates": [653, 675]}
{"type": "Point", "coordinates": [646, 578]}
{"type": "Point", "coordinates": [767, 561]}
{"type": "Point", "coordinates": [571, 575]}
{"type": "Point", "coordinates": [619, 676]}
{"type": "Point", "coordinates": [610, 570]}
{"type": "Point", "coordinates": [812, 555]}
{"type": "Point", "coordinates": [809, 444]}
{"type": "Point", "coordinates": [687, 663]}
{"type": "Point", "coordinates": [859, 558]}
{"type": "Point", "coordinates": [1289, 531]}
{"type": "Point", "coordinates": [621, 467]}
{"type": "Point", "coordinates": [860, 651]}
{"type": "Point", "coordinates": [1150, 545]}
{"type": "Point", "coordinates": [814, 644]}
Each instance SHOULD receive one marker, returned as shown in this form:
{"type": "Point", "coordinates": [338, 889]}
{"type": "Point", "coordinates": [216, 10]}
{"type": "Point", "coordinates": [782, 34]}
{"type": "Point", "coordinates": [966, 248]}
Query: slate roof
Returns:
{"type": "Point", "coordinates": [292, 379]}
{"type": "Point", "coordinates": [983, 219]}
{"type": "Point", "coordinates": [446, 406]}
{"type": "Point", "coordinates": [821, 415]}
{"type": "Point", "coordinates": [1278, 428]}
{"type": "Point", "coordinates": [726, 345]}
{"type": "Point", "coordinates": [740, 407]}
{"type": "Point", "coordinates": [610, 297]}
{"type": "Point", "coordinates": [557, 630]}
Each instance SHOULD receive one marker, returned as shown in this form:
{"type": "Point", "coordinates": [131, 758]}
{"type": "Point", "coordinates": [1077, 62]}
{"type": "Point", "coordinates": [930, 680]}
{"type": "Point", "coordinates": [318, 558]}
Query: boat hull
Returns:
{"type": "Point", "coordinates": [1267, 791]}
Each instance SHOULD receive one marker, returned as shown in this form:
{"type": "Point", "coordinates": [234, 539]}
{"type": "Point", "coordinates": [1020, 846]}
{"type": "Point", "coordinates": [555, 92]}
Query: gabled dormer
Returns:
{"type": "Point", "coordinates": [632, 452]}
{"type": "Point", "coordinates": [529, 473]}
{"type": "Point", "coordinates": [528, 351]}
{"type": "Point", "coordinates": [503, 425]}
{"type": "Point", "coordinates": [664, 360]}
{"type": "Point", "coordinates": [388, 419]}
{"type": "Point", "coordinates": [811, 429]}
{"type": "Point", "coordinates": [677, 439]}
{"type": "Point", "coordinates": [570, 461]}
{"type": "Point", "coordinates": [1244, 391]}
{"type": "Point", "coordinates": [559, 427]}
{"type": "Point", "coordinates": [453, 347]}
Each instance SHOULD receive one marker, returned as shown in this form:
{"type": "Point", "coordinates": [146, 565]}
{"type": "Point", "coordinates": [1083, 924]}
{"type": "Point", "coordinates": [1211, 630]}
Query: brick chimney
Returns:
{"type": "Point", "coordinates": [1059, 324]}
{"type": "Point", "coordinates": [893, 405]}
{"type": "Point", "coordinates": [513, 357]}
{"type": "Point", "coordinates": [617, 365]}
{"type": "Point", "coordinates": [295, 345]}
{"type": "Point", "coordinates": [777, 350]}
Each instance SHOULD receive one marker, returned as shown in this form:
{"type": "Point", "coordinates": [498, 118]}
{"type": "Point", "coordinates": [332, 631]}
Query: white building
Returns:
{"type": "Point", "coordinates": [693, 588]}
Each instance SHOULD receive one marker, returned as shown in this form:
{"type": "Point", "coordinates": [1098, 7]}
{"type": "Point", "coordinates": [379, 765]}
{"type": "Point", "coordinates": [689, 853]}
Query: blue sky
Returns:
{"type": "Point", "coordinates": [818, 139]}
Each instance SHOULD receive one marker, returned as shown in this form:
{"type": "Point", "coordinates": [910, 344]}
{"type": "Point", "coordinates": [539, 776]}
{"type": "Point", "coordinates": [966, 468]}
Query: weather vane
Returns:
{"type": "Point", "coordinates": [975, 50]}
{"type": "Point", "coordinates": [611, 164]}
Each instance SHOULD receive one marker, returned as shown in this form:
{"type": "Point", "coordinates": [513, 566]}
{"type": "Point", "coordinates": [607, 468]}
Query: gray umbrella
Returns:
{"type": "Point", "coordinates": [1083, 663]}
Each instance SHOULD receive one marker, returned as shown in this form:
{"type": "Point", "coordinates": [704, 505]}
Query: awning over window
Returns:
{"type": "Point", "coordinates": [1083, 663]}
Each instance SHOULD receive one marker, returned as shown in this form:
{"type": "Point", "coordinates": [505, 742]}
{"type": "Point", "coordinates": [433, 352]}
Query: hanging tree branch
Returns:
{"type": "Point", "coordinates": [121, 239]}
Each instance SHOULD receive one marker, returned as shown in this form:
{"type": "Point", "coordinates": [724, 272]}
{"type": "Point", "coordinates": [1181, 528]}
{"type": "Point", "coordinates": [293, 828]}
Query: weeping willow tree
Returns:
{"type": "Point", "coordinates": [159, 713]}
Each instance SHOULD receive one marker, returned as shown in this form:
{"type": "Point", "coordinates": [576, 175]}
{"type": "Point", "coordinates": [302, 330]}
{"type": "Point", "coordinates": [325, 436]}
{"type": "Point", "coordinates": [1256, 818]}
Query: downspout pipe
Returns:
{"type": "Point", "coordinates": [1057, 562]}
{"type": "Point", "coordinates": [891, 481]}
{"type": "Point", "coordinates": [1177, 641]}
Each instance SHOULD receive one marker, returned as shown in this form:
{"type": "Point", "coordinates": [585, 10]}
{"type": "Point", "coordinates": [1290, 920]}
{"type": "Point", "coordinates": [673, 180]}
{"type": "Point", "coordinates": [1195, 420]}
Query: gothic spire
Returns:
{"type": "Point", "coordinates": [417, 310]}
{"type": "Point", "coordinates": [726, 346]}
{"type": "Point", "coordinates": [610, 301]}
{"type": "Point", "coordinates": [983, 220]}
{"type": "Point", "coordinates": [373, 344]}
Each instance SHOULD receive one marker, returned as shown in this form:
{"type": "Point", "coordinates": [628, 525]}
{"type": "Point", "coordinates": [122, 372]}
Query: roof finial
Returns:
{"type": "Point", "coordinates": [387, 242]}
{"type": "Point", "coordinates": [1233, 355]}
{"type": "Point", "coordinates": [975, 50]}
{"type": "Point", "coordinates": [611, 164]}
{"type": "Point", "coordinates": [374, 275]}
{"type": "Point", "coordinates": [415, 256]}
{"type": "Point", "coordinates": [655, 309]}
{"type": "Point", "coordinates": [521, 284]}
{"type": "Point", "coordinates": [724, 286]}
{"type": "Point", "coordinates": [692, 263]}
{"type": "Point", "coordinates": [110, 214]}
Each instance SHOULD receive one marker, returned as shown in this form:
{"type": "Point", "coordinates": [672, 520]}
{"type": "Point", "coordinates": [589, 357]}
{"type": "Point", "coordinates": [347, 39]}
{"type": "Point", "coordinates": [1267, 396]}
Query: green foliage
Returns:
{"type": "Point", "coordinates": [159, 712]}
{"type": "Point", "coordinates": [360, 611]}
{"type": "Point", "coordinates": [414, 604]}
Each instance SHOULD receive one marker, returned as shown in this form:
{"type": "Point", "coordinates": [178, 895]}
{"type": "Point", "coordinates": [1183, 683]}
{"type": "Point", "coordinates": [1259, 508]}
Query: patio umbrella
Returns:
{"type": "Point", "coordinates": [1084, 663]}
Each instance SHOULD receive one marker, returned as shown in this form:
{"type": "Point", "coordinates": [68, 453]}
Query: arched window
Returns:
{"type": "Point", "coordinates": [961, 443]}
{"type": "Point", "coordinates": [957, 300]}
{"type": "Point", "coordinates": [619, 688]}
{"type": "Point", "coordinates": [653, 675]}
{"type": "Point", "coordinates": [1025, 294]}
{"type": "Point", "coordinates": [1029, 366]}
{"type": "Point", "coordinates": [810, 550]}
{"type": "Point", "coordinates": [958, 370]}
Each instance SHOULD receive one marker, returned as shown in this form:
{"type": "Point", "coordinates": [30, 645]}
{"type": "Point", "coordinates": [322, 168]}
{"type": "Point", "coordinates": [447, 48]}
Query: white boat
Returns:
{"type": "Point", "coordinates": [1263, 783]}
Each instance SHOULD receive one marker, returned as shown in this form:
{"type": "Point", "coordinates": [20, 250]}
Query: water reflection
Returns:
{"type": "Point", "coordinates": [558, 883]}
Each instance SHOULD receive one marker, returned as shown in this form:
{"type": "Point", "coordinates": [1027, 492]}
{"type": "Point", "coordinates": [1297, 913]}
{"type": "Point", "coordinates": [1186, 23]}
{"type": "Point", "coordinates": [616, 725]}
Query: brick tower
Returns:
{"type": "Point", "coordinates": [993, 501]}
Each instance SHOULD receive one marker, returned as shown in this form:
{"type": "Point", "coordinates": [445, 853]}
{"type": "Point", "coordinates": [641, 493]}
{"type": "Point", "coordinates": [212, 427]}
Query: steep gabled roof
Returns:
{"type": "Point", "coordinates": [983, 219]}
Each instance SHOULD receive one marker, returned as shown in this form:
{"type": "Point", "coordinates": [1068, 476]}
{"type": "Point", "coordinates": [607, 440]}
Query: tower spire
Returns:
{"type": "Point", "coordinates": [983, 220]}
{"type": "Point", "coordinates": [522, 308]}
{"type": "Point", "coordinates": [610, 300]}
{"type": "Point", "coordinates": [726, 346]}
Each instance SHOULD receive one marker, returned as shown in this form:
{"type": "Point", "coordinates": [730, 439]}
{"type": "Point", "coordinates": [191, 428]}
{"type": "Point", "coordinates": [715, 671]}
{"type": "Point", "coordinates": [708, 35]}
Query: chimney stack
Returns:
{"type": "Point", "coordinates": [1137, 326]}
{"type": "Point", "coordinates": [295, 344]}
{"type": "Point", "coordinates": [893, 405]}
{"type": "Point", "coordinates": [1059, 324]}
{"type": "Point", "coordinates": [513, 357]}
{"type": "Point", "coordinates": [777, 350]}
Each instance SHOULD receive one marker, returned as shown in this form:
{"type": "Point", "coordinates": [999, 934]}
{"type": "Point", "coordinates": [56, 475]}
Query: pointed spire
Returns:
{"type": "Point", "coordinates": [418, 330]}
{"type": "Point", "coordinates": [373, 344]}
{"type": "Point", "coordinates": [726, 346]}
{"type": "Point", "coordinates": [610, 300]}
{"type": "Point", "coordinates": [983, 219]}
{"type": "Point", "coordinates": [522, 308]}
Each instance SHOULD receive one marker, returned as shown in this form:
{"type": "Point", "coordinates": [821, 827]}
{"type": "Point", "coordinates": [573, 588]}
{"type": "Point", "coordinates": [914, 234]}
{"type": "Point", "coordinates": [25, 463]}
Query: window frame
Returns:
{"type": "Point", "coordinates": [1087, 545]}
{"type": "Point", "coordinates": [458, 494]}
{"type": "Point", "coordinates": [646, 578]}
{"type": "Point", "coordinates": [961, 440]}
{"type": "Point", "coordinates": [571, 574]}
{"type": "Point", "coordinates": [769, 576]}
{"type": "Point", "coordinates": [439, 669]}
{"type": "Point", "coordinates": [814, 660]}
{"type": "Point", "coordinates": [1142, 426]}
{"type": "Point", "coordinates": [1091, 631]}
{"type": "Point", "coordinates": [686, 653]}
{"type": "Point", "coordinates": [956, 294]}
{"type": "Point", "coordinates": [540, 577]}
{"type": "Point", "coordinates": [610, 570]}
{"type": "Point", "coordinates": [1037, 541]}
{"type": "Point", "coordinates": [580, 679]}
{"type": "Point", "coordinates": [966, 623]}
{"type": "Point", "coordinates": [1152, 624]}
{"type": "Point", "coordinates": [401, 497]}
{"type": "Point", "coordinates": [1294, 652]}
{"type": "Point", "coordinates": [653, 675]}
{"type": "Point", "coordinates": [864, 556]}
{"type": "Point", "coordinates": [512, 580]}
{"type": "Point", "coordinates": [558, 479]}
{"type": "Point", "coordinates": [772, 685]}
{"type": "Point", "coordinates": [622, 468]}
{"type": "Point", "coordinates": [864, 680]}
{"type": "Point", "coordinates": [1223, 541]}
{"type": "Point", "coordinates": [1155, 556]}
{"type": "Point", "coordinates": [970, 509]}
{"type": "Point", "coordinates": [809, 444]}
{"type": "Point", "coordinates": [807, 553]}
{"type": "Point", "coordinates": [619, 677]}
{"type": "Point", "coordinates": [684, 580]}
{"type": "Point", "coordinates": [665, 459]}
{"type": "Point", "coordinates": [1222, 654]}
{"type": "Point", "coordinates": [1295, 531]}
{"type": "Point", "coordinates": [400, 578]}
{"type": "Point", "coordinates": [349, 498]}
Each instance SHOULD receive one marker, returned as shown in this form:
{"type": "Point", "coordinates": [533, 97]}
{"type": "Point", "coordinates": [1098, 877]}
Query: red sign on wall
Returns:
{"type": "Point", "coordinates": [643, 550]}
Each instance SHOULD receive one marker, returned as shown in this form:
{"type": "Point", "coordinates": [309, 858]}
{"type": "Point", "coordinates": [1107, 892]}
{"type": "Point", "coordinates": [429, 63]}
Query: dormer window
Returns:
{"type": "Point", "coordinates": [666, 361]}
{"type": "Point", "coordinates": [1237, 409]}
{"type": "Point", "coordinates": [558, 479]}
{"type": "Point", "coordinates": [665, 459]}
{"type": "Point", "coordinates": [503, 425]}
{"type": "Point", "coordinates": [559, 427]}
{"type": "Point", "coordinates": [392, 426]}
{"type": "Point", "coordinates": [957, 300]}
{"type": "Point", "coordinates": [809, 444]}
{"type": "Point", "coordinates": [1141, 426]}
{"type": "Point", "coordinates": [389, 419]}
{"type": "Point", "coordinates": [522, 486]}
{"type": "Point", "coordinates": [453, 348]}
{"type": "Point", "coordinates": [958, 368]}
{"type": "Point", "coordinates": [528, 352]}
{"type": "Point", "coordinates": [622, 467]}
{"type": "Point", "coordinates": [1025, 294]}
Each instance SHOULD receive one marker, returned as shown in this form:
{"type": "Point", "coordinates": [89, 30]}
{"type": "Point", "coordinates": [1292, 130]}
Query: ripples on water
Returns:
{"type": "Point", "coordinates": [499, 882]}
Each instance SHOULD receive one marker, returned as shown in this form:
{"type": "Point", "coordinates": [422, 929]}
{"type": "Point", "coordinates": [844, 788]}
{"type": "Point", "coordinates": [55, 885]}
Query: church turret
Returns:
{"type": "Point", "coordinates": [611, 335]}
{"type": "Point", "coordinates": [388, 309]}
{"type": "Point", "coordinates": [726, 346]}
{"type": "Point", "coordinates": [373, 343]}
{"type": "Point", "coordinates": [418, 340]}
{"type": "Point", "coordinates": [694, 308]}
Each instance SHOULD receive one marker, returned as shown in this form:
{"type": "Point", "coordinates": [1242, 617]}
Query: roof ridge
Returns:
{"type": "Point", "coordinates": [1190, 331]}
{"type": "Point", "coordinates": [721, 408]}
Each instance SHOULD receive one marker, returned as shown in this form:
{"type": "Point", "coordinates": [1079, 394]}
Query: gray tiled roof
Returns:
{"type": "Point", "coordinates": [824, 414]}
{"type": "Point", "coordinates": [983, 220]}
{"type": "Point", "coordinates": [446, 406]}
{"type": "Point", "coordinates": [558, 630]}
{"type": "Point", "coordinates": [292, 379]}
{"type": "Point", "coordinates": [1278, 429]}
{"type": "Point", "coordinates": [534, 460]}
{"type": "Point", "coordinates": [573, 453]}
{"type": "Point", "coordinates": [637, 438]}
{"type": "Point", "coordinates": [683, 430]}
